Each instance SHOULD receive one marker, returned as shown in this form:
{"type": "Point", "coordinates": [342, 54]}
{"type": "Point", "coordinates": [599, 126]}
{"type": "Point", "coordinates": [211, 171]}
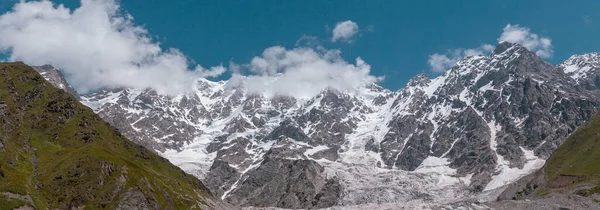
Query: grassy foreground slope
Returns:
{"type": "Point", "coordinates": [571, 173]}
{"type": "Point", "coordinates": [577, 160]}
{"type": "Point", "coordinates": [55, 153]}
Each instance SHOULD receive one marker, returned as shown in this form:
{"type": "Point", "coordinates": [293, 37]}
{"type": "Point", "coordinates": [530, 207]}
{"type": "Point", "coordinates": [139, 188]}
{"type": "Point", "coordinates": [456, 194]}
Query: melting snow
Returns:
{"type": "Point", "coordinates": [313, 150]}
{"type": "Point", "coordinates": [508, 175]}
{"type": "Point", "coordinates": [433, 164]}
{"type": "Point", "coordinates": [435, 84]}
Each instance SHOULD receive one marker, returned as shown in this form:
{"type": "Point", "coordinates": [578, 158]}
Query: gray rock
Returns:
{"type": "Point", "coordinates": [289, 129]}
{"type": "Point", "coordinates": [136, 200]}
{"type": "Point", "coordinates": [286, 183]}
{"type": "Point", "coordinates": [220, 178]}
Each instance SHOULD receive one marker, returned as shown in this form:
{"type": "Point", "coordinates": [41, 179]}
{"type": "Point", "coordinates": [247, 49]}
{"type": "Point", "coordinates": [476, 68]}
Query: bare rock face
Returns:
{"type": "Point", "coordinates": [221, 177]}
{"type": "Point", "coordinates": [284, 178]}
{"type": "Point", "coordinates": [480, 125]}
{"type": "Point", "coordinates": [286, 183]}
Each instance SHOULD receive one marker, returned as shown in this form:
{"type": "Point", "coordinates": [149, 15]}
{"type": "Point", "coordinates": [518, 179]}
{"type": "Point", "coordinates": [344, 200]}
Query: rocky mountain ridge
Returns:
{"type": "Point", "coordinates": [481, 125]}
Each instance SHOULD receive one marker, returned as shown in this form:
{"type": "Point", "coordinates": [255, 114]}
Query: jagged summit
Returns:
{"type": "Point", "coordinates": [582, 68]}
{"type": "Point", "coordinates": [506, 48]}
{"type": "Point", "coordinates": [502, 47]}
{"type": "Point", "coordinates": [420, 80]}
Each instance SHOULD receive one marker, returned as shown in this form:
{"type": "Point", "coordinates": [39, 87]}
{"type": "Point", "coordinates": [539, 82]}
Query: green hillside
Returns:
{"type": "Point", "coordinates": [56, 153]}
{"type": "Point", "coordinates": [577, 160]}
{"type": "Point", "coordinates": [573, 169]}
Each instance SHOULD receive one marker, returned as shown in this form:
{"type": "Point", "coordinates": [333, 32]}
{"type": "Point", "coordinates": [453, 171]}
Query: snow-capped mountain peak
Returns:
{"type": "Point", "coordinates": [578, 67]}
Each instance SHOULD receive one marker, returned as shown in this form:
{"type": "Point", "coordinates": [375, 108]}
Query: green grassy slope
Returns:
{"type": "Point", "coordinates": [56, 153]}
{"type": "Point", "coordinates": [577, 160]}
{"type": "Point", "coordinates": [573, 169]}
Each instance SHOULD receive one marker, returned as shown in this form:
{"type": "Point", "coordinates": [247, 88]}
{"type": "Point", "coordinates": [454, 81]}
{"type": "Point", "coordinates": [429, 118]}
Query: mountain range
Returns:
{"type": "Point", "coordinates": [465, 135]}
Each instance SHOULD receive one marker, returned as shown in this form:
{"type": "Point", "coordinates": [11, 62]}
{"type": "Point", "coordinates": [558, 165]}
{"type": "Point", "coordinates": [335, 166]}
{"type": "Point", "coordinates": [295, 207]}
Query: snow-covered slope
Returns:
{"type": "Point", "coordinates": [584, 69]}
{"type": "Point", "coordinates": [463, 135]}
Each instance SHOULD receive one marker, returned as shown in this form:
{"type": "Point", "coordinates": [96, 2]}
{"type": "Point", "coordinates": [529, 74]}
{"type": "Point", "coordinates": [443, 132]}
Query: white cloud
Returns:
{"type": "Point", "coordinates": [303, 72]}
{"type": "Point", "coordinates": [542, 46]}
{"type": "Point", "coordinates": [440, 62]}
{"type": "Point", "coordinates": [96, 46]}
{"type": "Point", "coordinates": [234, 67]}
{"type": "Point", "coordinates": [214, 71]}
{"type": "Point", "coordinates": [344, 31]}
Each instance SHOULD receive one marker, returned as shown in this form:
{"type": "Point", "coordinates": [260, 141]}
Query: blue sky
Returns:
{"type": "Point", "coordinates": [395, 37]}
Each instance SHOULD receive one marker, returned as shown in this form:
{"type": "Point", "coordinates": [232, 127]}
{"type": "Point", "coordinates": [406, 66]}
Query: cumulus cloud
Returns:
{"type": "Point", "coordinates": [214, 71]}
{"type": "Point", "coordinates": [303, 72]}
{"type": "Point", "coordinates": [344, 31]}
{"type": "Point", "coordinates": [97, 46]}
{"type": "Point", "coordinates": [542, 46]}
{"type": "Point", "coordinates": [440, 62]}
